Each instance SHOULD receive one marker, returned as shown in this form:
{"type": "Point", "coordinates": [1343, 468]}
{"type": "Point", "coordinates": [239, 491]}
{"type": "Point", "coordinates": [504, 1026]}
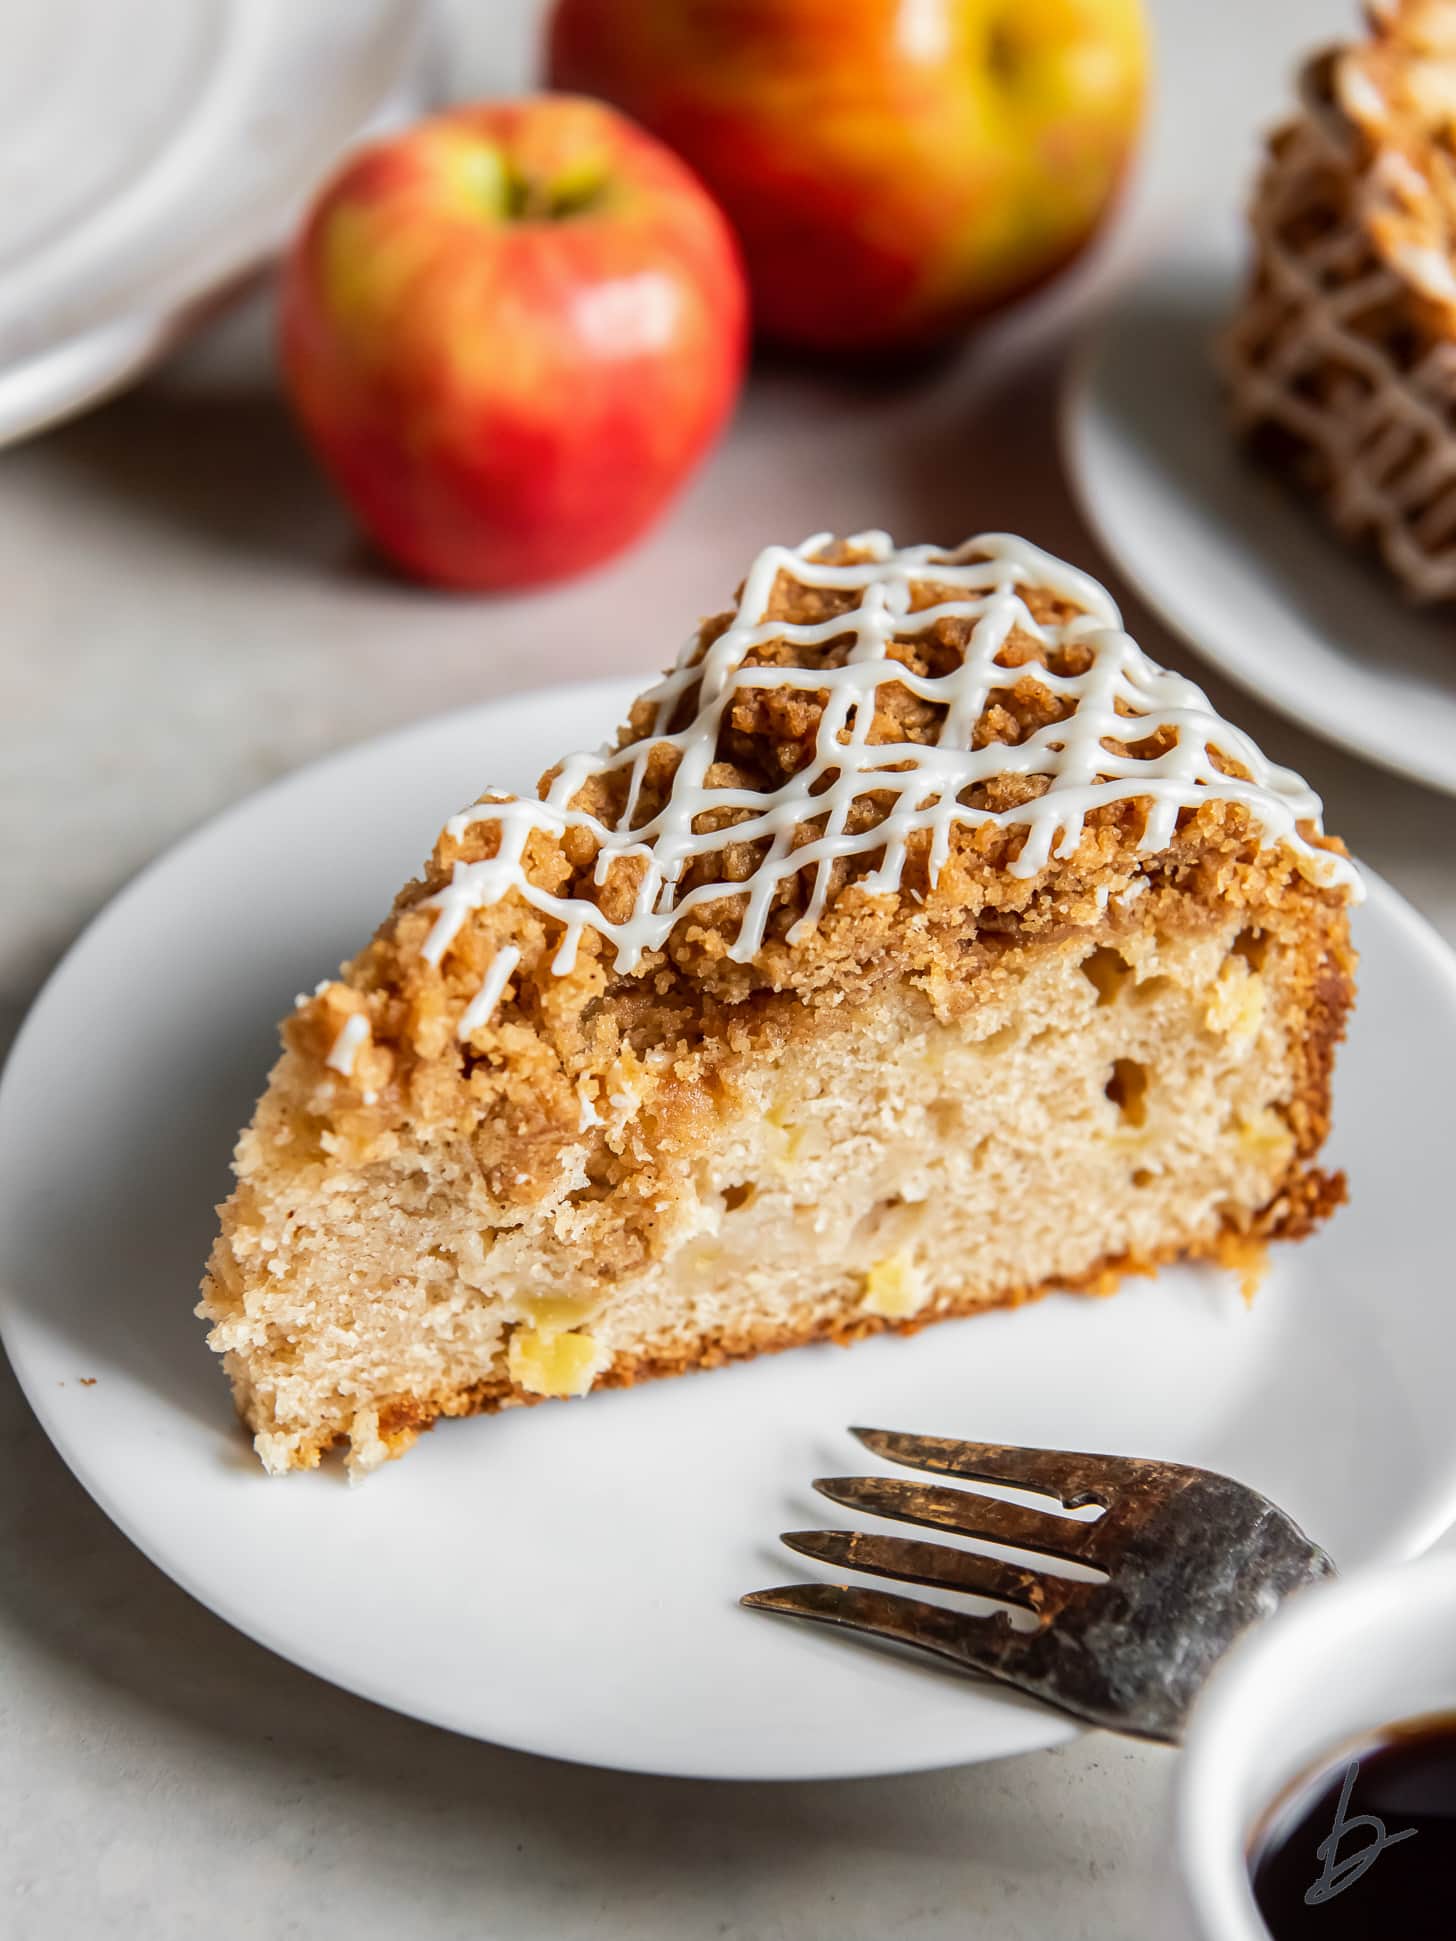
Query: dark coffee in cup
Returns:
{"type": "Point", "coordinates": [1364, 1844]}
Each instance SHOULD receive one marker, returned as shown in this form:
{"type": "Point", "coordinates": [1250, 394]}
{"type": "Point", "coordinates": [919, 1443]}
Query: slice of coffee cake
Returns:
{"type": "Point", "coordinates": [918, 946]}
{"type": "Point", "coordinates": [1341, 361]}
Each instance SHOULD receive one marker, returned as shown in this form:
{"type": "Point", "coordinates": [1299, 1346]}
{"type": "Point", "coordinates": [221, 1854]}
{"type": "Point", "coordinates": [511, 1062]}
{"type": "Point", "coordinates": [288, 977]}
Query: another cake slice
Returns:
{"type": "Point", "coordinates": [919, 946]}
{"type": "Point", "coordinates": [1342, 359]}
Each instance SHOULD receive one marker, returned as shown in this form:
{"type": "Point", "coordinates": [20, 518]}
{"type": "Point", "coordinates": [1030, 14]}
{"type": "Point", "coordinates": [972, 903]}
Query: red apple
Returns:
{"type": "Point", "coordinates": [893, 167]}
{"type": "Point", "coordinates": [510, 333]}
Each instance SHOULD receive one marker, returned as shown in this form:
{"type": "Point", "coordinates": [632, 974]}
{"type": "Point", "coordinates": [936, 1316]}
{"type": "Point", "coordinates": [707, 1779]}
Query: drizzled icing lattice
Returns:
{"type": "Point", "coordinates": [1346, 343]}
{"type": "Point", "coordinates": [1120, 695]}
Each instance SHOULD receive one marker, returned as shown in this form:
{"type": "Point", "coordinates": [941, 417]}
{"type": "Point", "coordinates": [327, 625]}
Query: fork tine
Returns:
{"type": "Point", "coordinates": [1072, 1478]}
{"type": "Point", "coordinates": [985, 1644]}
{"type": "Point", "coordinates": [962, 1511]}
{"type": "Point", "coordinates": [934, 1565]}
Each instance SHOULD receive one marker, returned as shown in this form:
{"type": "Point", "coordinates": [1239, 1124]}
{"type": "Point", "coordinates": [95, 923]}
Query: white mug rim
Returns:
{"type": "Point", "coordinates": [1211, 1813]}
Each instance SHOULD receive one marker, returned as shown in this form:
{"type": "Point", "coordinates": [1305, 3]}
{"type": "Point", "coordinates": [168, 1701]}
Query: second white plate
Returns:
{"type": "Point", "coordinates": [1233, 559]}
{"type": "Point", "coordinates": [565, 1578]}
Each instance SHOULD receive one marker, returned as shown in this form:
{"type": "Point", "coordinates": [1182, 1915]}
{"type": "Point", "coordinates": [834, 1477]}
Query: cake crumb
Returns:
{"type": "Point", "coordinates": [1246, 1255]}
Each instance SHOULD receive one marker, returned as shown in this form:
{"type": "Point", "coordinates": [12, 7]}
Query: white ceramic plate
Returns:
{"type": "Point", "coordinates": [564, 1578]}
{"type": "Point", "coordinates": [153, 154]}
{"type": "Point", "coordinates": [1229, 555]}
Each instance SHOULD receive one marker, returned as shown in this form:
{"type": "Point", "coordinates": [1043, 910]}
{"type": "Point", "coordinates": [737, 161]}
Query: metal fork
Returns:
{"type": "Point", "coordinates": [1191, 1559]}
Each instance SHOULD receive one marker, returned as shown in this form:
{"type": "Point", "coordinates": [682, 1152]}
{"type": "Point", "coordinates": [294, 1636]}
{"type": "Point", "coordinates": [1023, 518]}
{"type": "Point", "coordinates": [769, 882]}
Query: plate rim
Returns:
{"type": "Point", "coordinates": [1041, 1729]}
{"type": "Point", "coordinates": [1076, 407]}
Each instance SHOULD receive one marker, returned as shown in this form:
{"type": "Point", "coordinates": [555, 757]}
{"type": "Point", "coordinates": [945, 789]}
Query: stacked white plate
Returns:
{"type": "Point", "coordinates": [153, 155]}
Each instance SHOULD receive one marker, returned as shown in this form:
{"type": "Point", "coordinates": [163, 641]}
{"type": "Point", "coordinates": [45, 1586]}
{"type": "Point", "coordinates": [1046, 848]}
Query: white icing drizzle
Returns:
{"type": "Point", "coordinates": [1428, 269]}
{"type": "Point", "coordinates": [353, 1036]}
{"type": "Point", "coordinates": [1384, 431]}
{"type": "Point", "coordinates": [488, 996]}
{"type": "Point", "coordinates": [587, 1115]}
{"type": "Point", "coordinates": [983, 582]}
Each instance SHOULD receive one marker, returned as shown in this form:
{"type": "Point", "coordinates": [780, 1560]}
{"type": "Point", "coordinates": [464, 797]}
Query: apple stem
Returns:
{"type": "Point", "coordinates": [513, 197]}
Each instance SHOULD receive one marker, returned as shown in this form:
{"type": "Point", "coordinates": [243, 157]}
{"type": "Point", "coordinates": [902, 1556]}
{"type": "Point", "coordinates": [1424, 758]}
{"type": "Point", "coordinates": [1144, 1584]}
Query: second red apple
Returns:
{"type": "Point", "coordinates": [894, 168]}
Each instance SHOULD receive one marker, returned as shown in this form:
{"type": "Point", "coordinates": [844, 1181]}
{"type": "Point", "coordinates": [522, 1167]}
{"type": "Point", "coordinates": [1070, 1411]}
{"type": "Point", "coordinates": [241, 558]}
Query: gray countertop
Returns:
{"type": "Point", "coordinates": [187, 615]}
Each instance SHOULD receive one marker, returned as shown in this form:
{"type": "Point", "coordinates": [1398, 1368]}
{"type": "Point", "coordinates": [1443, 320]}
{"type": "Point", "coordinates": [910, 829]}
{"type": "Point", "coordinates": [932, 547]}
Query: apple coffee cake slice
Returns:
{"type": "Point", "coordinates": [918, 946]}
{"type": "Point", "coordinates": [1341, 361]}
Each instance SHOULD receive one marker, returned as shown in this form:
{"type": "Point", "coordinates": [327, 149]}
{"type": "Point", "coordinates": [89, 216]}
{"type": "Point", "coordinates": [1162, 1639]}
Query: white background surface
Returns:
{"type": "Point", "coordinates": [186, 615]}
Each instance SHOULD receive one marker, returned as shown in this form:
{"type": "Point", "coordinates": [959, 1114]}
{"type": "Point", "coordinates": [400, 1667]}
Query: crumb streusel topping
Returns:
{"type": "Point", "coordinates": [862, 702]}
